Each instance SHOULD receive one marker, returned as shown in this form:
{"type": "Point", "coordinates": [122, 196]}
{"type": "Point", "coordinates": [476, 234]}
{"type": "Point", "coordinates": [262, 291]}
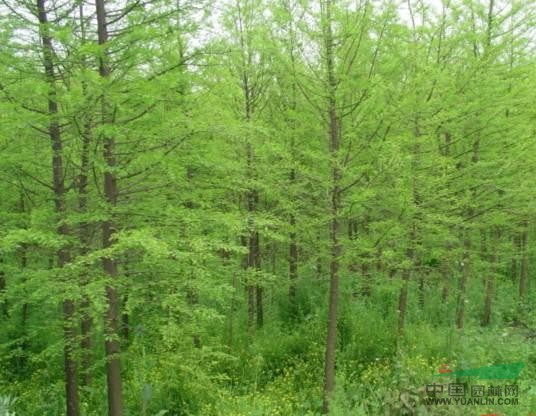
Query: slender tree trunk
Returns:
{"type": "Point", "coordinates": [232, 304]}
{"type": "Point", "coordinates": [516, 245]}
{"type": "Point", "coordinates": [403, 299]}
{"type": "Point", "coordinates": [422, 295]}
{"type": "Point", "coordinates": [3, 302]}
{"type": "Point", "coordinates": [125, 318]}
{"type": "Point", "coordinates": [379, 260]}
{"type": "Point", "coordinates": [259, 306]}
{"type": "Point", "coordinates": [365, 267]}
{"type": "Point", "coordinates": [293, 244]}
{"type": "Point", "coordinates": [353, 266]}
{"type": "Point", "coordinates": [84, 237]}
{"type": "Point", "coordinates": [444, 270]}
{"type": "Point", "coordinates": [406, 275]}
{"type": "Point", "coordinates": [23, 265]}
{"type": "Point", "coordinates": [445, 265]}
{"type": "Point", "coordinates": [411, 253]}
{"type": "Point", "coordinates": [462, 284]}
{"type": "Point", "coordinates": [335, 193]}
{"type": "Point", "coordinates": [254, 292]}
{"type": "Point", "coordinates": [64, 255]}
{"type": "Point", "coordinates": [319, 260]}
{"type": "Point", "coordinates": [22, 358]}
{"type": "Point", "coordinates": [523, 276]}
{"type": "Point", "coordinates": [112, 346]}
{"type": "Point", "coordinates": [292, 260]}
{"type": "Point", "coordinates": [250, 289]}
{"type": "Point", "coordinates": [250, 265]}
{"type": "Point", "coordinates": [490, 282]}
{"type": "Point", "coordinates": [466, 258]}
{"type": "Point", "coordinates": [85, 341]}
{"type": "Point", "coordinates": [192, 295]}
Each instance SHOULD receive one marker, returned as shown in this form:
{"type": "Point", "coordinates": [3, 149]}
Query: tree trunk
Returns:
{"type": "Point", "coordinates": [490, 283]}
{"type": "Point", "coordinates": [365, 266]}
{"type": "Point", "coordinates": [23, 265]}
{"type": "Point", "coordinates": [444, 270]}
{"type": "Point", "coordinates": [84, 237]}
{"type": "Point", "coordinates": [406, 275]}
{"type": "Point", "coordinates": [112, 347]}
{"type": "Point", "coordinates": [411, 253]}
{"type": "Point", "coordinates": [292, 261]}
{"type": "Point", "coordinates": [422, 295]}
{"type": "Point", "coordinates": [460, 308]}
{"type": "Point", "coordinates": [319, 260]}
{"type": "Point", "coordinates": [84, 232]}
{"type": "Point", "coordinates": [259, 305]}
{"type": "Point", "coordinates": [63, 255]}
{"type": "Point", "coordinates": [3, 302]}
{"type": "Point", "coordinates": [516, 244]}
{"type": "Point", "coordinates": [466, 258]}
{"type": "Point", "coordinates": [523, 276]}
{"type": "Point", "coordinates": [253, 257]}
{"type": "Point", "coordinates": [125, 319]}
{"type": "Point", "coordinates": [353, 265]}
{"type": "Point", "coordinates": [335, 193]}
{"type": "Point", "coordinates": [232, 305]}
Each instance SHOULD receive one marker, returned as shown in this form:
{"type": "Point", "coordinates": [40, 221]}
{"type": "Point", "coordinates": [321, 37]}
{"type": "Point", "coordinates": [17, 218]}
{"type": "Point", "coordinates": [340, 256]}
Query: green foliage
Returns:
{"type": "Point", "coordinates": [217, 117]}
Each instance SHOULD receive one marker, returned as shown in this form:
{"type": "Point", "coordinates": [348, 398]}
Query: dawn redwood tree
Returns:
{"type": "Point", "coordinates": [334, 135]}
{"type": "Point", "coordinates": [337, 90]}
{"type": "Point", "coordinates": [250, 70]}
{"type": "Point", "coordinates": [109, 227]}
{"type": "Point", "coordinates": [64, 254]}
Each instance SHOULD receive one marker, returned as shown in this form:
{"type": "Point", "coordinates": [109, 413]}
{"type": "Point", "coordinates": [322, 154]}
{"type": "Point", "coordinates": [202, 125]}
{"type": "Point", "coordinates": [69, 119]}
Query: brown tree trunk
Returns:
{"type": "Point", "coordinates": [411, 253]}
{"type": "Point", "coordinates": [365, 267]}
{"type": "Point", "coordinates": [23, 265]}
{"type": "Point", "coordinates": [319, 260]}
{"type": "Point", "coordinates": [85, 341]}
{"type": "Point", "coordinates": [125, 319]}
{"type": "Point", "coordinates": [112, 346]}
{"type": "Point", "coordinates": [466, 258]}
{"type": "Point", "coordinates": [516, 244]}
{"type": "Point", "coordinates": [254, 292]}
{"type": "Point", "coordinates": [462, 284]}
{"type": "Point", "coordinates": [63, 255]}
{"type": "Point", "coordinates": [403, 300]}
{"type": "Point", "coordinates": [406, 275]}
{"type": "Point", "coordinates": [232, 305]}
{"type": "Point", "coordinates": [445, 266]}
{"type": "Point", "coordinates": [250, 266]}
{"type": "Point", "coordinates": [444, 270]}
{"type": "Point", "coordinates": [292, 262]}
{"type": "Point", "coordinates": [84, 237]}
{"type": "Point", "coordinates": [259, 304]}
{"type": "Point", "coordinates": [333, 130]}
{"type": "Point", "coordinates": [353, 265]}
{"type": "Point", "coordinates": [250, 289]}
{"type": "Point", "coordinates": [192, 295]}
{"type": "Point", "coordinates": [3, 301]}
{"type": "Point", "coordinates": [490, 282]}
{"type": "Point", "coordinates": [523, 276]}
{"type": "Point", "coordinates": [84, 232]}
{"type": "Point", "coordinates": [422, 294]}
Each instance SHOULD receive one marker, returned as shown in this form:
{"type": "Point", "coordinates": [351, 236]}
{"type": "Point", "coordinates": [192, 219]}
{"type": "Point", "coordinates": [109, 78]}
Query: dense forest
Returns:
{"type": "Point", "coordinates": [267, 207]}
